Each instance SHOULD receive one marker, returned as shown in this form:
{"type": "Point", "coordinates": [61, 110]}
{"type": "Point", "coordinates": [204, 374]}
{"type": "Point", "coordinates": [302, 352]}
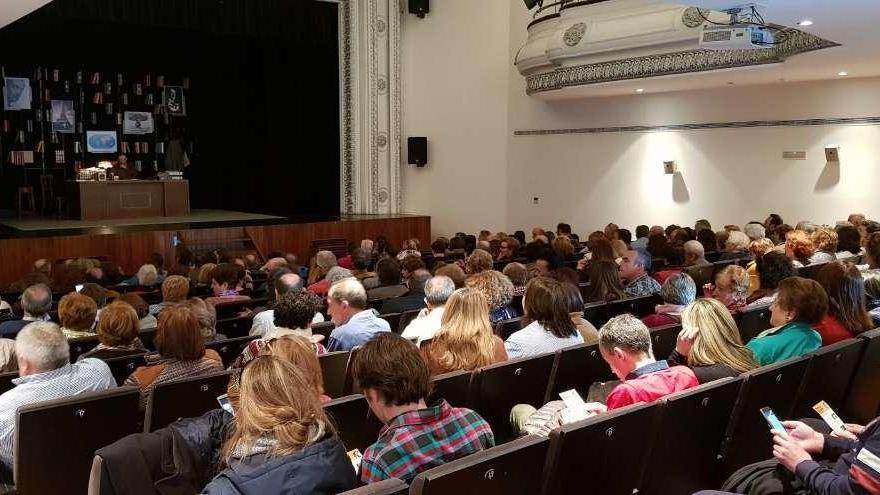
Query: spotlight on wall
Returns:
{"type": "Point", "coordinates": [832, 153]}
{"type": "Point", "coordinates": [670, 167]}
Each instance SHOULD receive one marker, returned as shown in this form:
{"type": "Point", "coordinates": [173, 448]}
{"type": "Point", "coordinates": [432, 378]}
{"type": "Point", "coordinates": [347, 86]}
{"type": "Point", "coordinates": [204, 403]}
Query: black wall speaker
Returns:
{"type": "Point", "coordinates": [419, 7]}
{"type": "Point", "coordinates": [418, 151]}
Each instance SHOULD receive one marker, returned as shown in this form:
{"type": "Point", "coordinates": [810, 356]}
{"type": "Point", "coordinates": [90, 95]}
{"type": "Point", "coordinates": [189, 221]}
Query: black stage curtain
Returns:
{"type": "Point", "coordinates": [263, 106]}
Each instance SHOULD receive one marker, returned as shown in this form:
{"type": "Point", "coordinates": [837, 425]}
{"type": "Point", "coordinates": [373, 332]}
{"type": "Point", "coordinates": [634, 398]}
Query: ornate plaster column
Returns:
{"type": "Point", "coordinates": [370, 127]}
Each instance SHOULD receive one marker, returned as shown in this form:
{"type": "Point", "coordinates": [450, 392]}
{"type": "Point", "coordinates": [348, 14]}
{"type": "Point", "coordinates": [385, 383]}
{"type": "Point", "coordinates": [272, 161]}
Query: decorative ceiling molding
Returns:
{"type": "Point", "coordinates": [681, 62]}
{"type": "Point", "coordinates": [701, 126]}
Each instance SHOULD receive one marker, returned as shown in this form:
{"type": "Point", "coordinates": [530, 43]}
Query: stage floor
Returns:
{"type": "Point", "coordinates": [196, 219]}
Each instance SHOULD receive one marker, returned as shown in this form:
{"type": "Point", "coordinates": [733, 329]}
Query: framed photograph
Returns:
{"type": "Point", "coordinates": [101, 141]}
{"type": "Point", "coordinates": [174, 100]}
{"type": "Point", "coordinates": [138, 123]}
{"type": "Point", "coordinates": [63, 116]}
{"type": "Point", "coordinates": [17, 93]}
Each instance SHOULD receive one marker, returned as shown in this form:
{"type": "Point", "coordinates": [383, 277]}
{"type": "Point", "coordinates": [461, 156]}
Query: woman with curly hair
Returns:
{"type": "Point", "coordinates": [465, 340]}
{"type": "Point", "coordinates": [799, 248]}
{"type": "Point", "coordinates": [498, 291]}
{"type": "Point", "coordinates": [825, 242]}
{"type": "Point", "coordinates": [479, 261]}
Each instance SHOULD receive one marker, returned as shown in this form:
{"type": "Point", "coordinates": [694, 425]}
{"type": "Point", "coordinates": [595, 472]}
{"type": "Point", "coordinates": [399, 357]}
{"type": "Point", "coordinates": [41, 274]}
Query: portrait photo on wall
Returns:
{"type": "Point", "coordinates": [138, 123]}
{"type": "Point", "coordinates": [16, 93]}
{"type": "Point", "coordinates": [63, 116]}
{"type": "Point", "coordinates": [101, 142]}
{"type": "Point", "coordinates": [174, 100]}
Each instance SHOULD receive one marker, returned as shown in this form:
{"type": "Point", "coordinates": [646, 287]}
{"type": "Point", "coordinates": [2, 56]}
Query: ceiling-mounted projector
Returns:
{"type": "Point", "coordinates": [736, 37]}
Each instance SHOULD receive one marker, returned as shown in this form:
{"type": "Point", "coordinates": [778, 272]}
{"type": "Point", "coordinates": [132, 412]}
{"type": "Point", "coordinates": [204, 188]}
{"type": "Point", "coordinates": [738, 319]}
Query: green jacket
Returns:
{"type": "Point", "coordinates": [785, 342]}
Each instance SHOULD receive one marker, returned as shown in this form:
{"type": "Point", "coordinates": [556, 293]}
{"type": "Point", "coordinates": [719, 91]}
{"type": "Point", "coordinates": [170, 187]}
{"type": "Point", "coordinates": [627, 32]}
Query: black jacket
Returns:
{"type": "Point", "coordinates": [321, 468]}
{"type": "Point", "coordinates": [414, 299]}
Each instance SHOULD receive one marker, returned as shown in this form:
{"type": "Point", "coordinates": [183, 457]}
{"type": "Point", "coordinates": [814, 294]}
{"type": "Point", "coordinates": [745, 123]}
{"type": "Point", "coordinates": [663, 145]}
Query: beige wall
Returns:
{"type": "Point", "coordinates": [455, 82]}
{"type": "Point", "coordinates": [482, 175]}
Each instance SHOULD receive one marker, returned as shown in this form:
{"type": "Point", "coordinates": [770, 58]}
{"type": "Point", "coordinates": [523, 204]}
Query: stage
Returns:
{"type": "Point", "coordinates": [130, 242]}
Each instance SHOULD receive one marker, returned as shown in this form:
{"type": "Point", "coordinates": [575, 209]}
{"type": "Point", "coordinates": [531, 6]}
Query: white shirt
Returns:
{"type": "Point", "coordinates": [424, 326]}
{"type": "Point", "coordinates": [264, 322]}
{"type": "Point", "coordinates": [533, 340]}
{"type": "Point", "coordinates": [88, 375]}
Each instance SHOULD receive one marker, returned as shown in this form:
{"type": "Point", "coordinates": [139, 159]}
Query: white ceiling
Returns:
{"type": "Point", "coordinates": [12, 10]}
{"type": "Point", "coordinates": [854, 24]}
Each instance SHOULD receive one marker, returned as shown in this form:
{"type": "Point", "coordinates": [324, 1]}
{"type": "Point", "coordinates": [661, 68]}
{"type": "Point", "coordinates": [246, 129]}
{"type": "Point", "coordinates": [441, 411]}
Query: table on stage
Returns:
{"type": "Point", "coordinates": [102, 200]}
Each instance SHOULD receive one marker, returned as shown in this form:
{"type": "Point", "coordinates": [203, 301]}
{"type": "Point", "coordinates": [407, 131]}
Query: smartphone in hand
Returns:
{"type": "Point", "coordinates": [772, 420]}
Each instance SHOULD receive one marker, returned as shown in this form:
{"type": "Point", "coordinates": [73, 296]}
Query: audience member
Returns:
{"type": "Point", "coordinates": [321, 264]}
{"type": "Point", "coordinates": [146, 321]}
{"type": "Point", "coordinates": [709, 342]}
{"type": "Point", "coordinates": [263, 323]}
{"type": "Point", "coordinates": [412, 300]}
{"type": "Point", "coordinates": [478, 261]}
{"type": "Point", "coordinates": [465, 340]}
{"type": "Point", "coordinates": [388, 270]}
{"type": "Point", "coordinates": [77, 313]}
{"type": "Point", "coordinates": [847, 315]}
{"type": "Point", "coordinates": [180, 353]}
{"type": "Point", "coordinates": [45, 373]}
{"type": "Point", "coordinates": [361, 260]}
{"type": "Point", "coordinates": [677, 292]}
{"type": "Point", "coordinates": [781, 234]}
{"type": "Point", "coordinates": [754, 231]}
{"type": "Point", "coordinates": [410, 247]}
{"type": "Point", "coordinates": [437, 293]}
{"type": "Point", "coordinates": [204, 274]}
{"type": "Point", "coordinates": [634, 273]}
{"type": "Point", "coordinates": [575, 306]}
{"type": "Point", "coordinates": [731, 287]}
{"type": "Point", "coordinates": [206, 314]}
{"type": "Point", "coordinates": [605, 283]}
{"type": "Point", "coordinates": [563, 247]}
{"type": "Point", "coordinates": [355, 324]}
{"type": "Point", "coordinates": [36, 302]}
{"type": "Point", "coordinates": [848, 242]}
{"type": "Point", "coordinates": [549, 328]}
{"type": "Point", "coordinates": [772, 268]}
{"type": "Point", "coordinates": [118, 332]}
{"type": "Point", "coordinates": [825, 241]}
{"type": "Point", "coordinates": [736, 246]}
{"type": "Point", "coordinates": [702, 224]}
{"type": "Point", "coordinates": [508, 248]}
{"type": "Point", "coordinates": [498, 291]}
{"type": "Point", "coordinates": [799, 247]}
{"type": "Point", "coordinates": [721, 239]}
{"type": "Point", "coordinates": [772, 222]}
{"type": "Point", "coordinates": [226, 280]}
{"type": "Point", "coordinates": [417, 436]}
{"type": "Point", "coordinates": [281, 440]}
{"type": "Point", "coordinates": [175, 290]}
{"type": "Point", "coordinates": [757, 248]}
{"type": "Point", "coordinates": [706, 237]}
{"type": "Point", "coordinates": [872, 251]}
{"type": "Point", "coordinates": [147, 276]}
{"type": "Point", "coordinates": [694, 254]}
{"type": "Point", "coordinates": [625, 344]}
{"type": "Point", "coordinates": [625, 236]}
{"type": "Point", "coordinates": [519, 277]}
{"type": "Point", "coordinates": [800, 304]}
{"type": "Point", "coordinates": [409, 265]}
{"type": "Point", "coordinates": [454, 272]}
{"type": "Point", "coordinates": [641, 241]}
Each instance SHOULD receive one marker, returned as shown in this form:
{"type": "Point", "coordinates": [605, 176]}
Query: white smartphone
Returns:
{"type": "Point", "coordinates": [79, 287]}
{"type": "Point", "coordinates": [772, 420]}
{"type": "Point", "coordinates": [223, 400]}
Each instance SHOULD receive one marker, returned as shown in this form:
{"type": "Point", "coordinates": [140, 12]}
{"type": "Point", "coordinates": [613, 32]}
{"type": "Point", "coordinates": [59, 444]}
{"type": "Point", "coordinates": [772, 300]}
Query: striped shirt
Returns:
{"type": "Point", "coordinates": [88, 375]}
{"type": "Point", "coordinates": [534, 339]}
{"type": "Point", "coordinates": [420, 440]}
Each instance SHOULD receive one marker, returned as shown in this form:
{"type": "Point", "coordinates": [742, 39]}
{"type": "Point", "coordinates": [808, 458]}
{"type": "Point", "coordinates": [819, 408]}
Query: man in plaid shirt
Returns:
{"type": "Point", "coordinates": [396, 381]}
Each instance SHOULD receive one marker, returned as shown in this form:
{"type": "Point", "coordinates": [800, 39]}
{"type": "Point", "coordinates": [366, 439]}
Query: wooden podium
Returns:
{"type": "Point", "coordinates": [105, 200]}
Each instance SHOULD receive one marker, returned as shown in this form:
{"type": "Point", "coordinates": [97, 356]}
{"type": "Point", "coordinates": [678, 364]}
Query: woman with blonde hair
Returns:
{"type": "Point", "coordinates": [709, 342]}
{"type": "Point", "coordinates": [281, 439]}
{"type": "Point", "coordinates": [758, 248]}
{"type": "Point", "coordinates": [465, 340]}
{"type": "Point", "coordinates": [563, 246]}
{"type": "Point", "coordinates": [731, 287]}
{"type": "Point", "coordinates": [204, 275]}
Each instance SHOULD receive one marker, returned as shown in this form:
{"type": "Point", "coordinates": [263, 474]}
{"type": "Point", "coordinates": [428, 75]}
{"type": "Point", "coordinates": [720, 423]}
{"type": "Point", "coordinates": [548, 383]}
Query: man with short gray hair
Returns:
{"type": "Point", "coordinates": [45, 373]}
{"type": "Point", "coordinates": [264, 321]}
{"type": "Point", "coordinates": [355, 324]}
{"type": "Point", "coordinates": [625, 344]}
{"type": "Point", "coordinates": [755, 231]}
{"type": "Point", "coordinates": [438, 290]}
{"type": "Point", "coordinates": [694, 254]}
{"type": "Point", "coordinates": [36, 301]}
{"type": "Point", "coordinates": [414, 299]}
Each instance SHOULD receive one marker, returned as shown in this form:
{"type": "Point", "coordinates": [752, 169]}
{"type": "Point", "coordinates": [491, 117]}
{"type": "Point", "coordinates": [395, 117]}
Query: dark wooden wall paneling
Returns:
{"type": "Point", "coordinates": [133, 249]}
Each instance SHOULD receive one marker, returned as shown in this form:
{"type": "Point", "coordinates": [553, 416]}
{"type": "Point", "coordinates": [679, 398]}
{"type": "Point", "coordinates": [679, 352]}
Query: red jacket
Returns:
{"type": "Point", "coordinates": [651, 382]}
{"type": "Point", "coordinates": [832, 331]}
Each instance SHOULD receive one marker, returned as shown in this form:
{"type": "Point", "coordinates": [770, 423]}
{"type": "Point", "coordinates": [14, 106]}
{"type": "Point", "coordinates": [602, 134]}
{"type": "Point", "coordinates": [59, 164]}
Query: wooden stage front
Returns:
{"type": "Point", "coordinates": [131, 246]}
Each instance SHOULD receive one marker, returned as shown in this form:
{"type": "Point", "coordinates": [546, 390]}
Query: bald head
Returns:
{"type": "Point", "coordinates": [43, 265]}
{"type": "Point", "coordinates": [274, 263]}
{"type": "Point", "coordinates": [287, 283]}
{"type": "Point", "coordinates": [418, 279]}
